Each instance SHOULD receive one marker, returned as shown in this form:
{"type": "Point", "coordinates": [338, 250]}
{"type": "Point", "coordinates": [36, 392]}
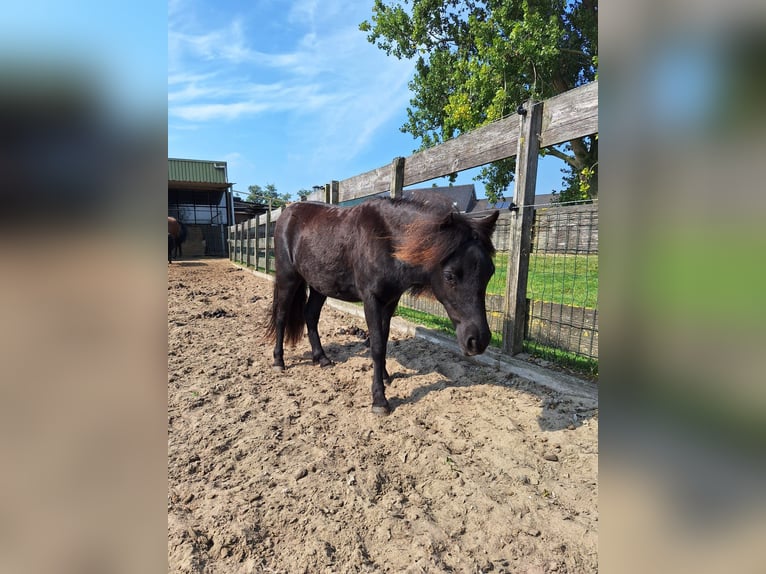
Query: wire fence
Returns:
{"type": "Point", "coordinates": [562, 286]}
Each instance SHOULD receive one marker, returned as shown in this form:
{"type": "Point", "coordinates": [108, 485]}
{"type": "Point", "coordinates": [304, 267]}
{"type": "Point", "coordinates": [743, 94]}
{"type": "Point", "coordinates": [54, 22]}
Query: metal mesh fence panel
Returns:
{"type": "Point", "coordinates": [562, 289]}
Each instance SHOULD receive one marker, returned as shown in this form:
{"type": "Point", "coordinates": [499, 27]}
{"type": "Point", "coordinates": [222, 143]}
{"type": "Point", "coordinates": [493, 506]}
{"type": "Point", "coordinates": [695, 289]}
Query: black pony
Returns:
{"type": "Point", "coordinates": [374, 252]}
{"type": "Point", "coordinates": [171, 247]}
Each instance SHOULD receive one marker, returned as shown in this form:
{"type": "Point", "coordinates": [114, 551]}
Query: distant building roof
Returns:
{"type": "Point", "coordinates": [546, 198]}
{"type": "Point", "coordinates": [505, 203]}
{"type": "Point", "coordinates": [244, 210]}
{"type": "Point", "coordinates": [197, 172]}
{"type": "Point", "coordinates": [463, 197]}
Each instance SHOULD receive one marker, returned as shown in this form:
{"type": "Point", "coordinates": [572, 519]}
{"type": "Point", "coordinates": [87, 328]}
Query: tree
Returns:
{"type": "Point", "coordinates": [267, 195]}
{"type": "Point", "coordinates": [304, 193]}
{"type": "Point", "coordinates": [477, 61]}
{"type": "Point", "coordinates": [579, 184]}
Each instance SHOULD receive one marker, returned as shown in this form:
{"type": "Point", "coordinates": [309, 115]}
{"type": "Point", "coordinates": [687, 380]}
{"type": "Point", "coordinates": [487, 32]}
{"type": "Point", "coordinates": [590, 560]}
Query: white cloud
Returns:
{"type": "Point", "coordinates": [320, 69]}
{"type": "Point", "coordinates": [207, 112]}
{"type": "Point", "coordinates": [236, 101]}
{"type": "Point", "coordinates": [227, 46]}
{"type": "Point", "coordinates": [183, 78]}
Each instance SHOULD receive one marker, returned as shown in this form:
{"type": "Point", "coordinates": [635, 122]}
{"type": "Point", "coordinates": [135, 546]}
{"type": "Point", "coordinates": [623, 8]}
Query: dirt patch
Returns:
{"type": "Point", "coordinates": [475, 470]}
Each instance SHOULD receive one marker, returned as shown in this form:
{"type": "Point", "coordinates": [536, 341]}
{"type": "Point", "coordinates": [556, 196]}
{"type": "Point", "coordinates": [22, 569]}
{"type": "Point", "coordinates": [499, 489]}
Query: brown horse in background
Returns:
{"type": "Point", "coordinates": [171, 247]}
{"type": "Point", "coordinates": [176, 236]}
{"type": "Point", "coordinates": [374, 252]}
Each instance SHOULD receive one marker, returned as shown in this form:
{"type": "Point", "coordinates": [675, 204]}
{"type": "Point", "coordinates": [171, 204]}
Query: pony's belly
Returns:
{"type": "Point", "coordinates": [346, 296]}
{"type": "Point", "coordinates": [337, 291]}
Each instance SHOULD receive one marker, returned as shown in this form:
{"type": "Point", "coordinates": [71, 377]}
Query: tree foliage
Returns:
{"type": "Point", "coordinates": [477, 61]}
{"type": "Point", "coordinates": [267, 195]}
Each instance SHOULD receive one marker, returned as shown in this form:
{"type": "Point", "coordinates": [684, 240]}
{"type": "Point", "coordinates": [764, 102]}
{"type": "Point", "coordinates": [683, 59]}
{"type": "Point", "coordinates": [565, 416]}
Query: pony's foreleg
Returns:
{"type": "Point", "coordinates": [388, 312]}
{"type": "Point", "coordinates": [374, 313]}
{"type": "Point", "coordinates": [311, 314]}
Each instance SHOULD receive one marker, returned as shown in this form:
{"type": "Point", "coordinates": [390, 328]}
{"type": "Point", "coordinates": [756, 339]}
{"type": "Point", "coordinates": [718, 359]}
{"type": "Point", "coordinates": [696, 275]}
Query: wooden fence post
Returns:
{"type": "Point", "coordinates": [397, 177]}
{"type": "Point", "coordinates": [248, 242]}
{"type": "Point", "coordinates": [521, 227]}
{"type": "Point", "coordinates": [239, 242]}
{"type": "Point", "coordinates": [331, 192]}
{"type": "Point", "coordinates": [268, 241]}
{"type": "Point", "coordinates": [334, 188]}
{"type": "Point", "coordinates": [236, 242]}
{"type": "Point", "coordinates": [244, 242]}
{"type": "Point", "coordinates": [257, 242]}
{"type": "Point", "coordinates": [233, 239]}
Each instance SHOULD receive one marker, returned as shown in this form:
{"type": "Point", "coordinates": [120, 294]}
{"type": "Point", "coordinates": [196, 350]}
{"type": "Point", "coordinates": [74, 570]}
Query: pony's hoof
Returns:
{"type": "Point", "coordinates": [381, 410]}
{"type": "Point", "coordinates": [278, 368]}
{"type": "Point", "coordinates": [322, 361]}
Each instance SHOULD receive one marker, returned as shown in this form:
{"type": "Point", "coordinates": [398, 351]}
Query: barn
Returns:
{"type": "Point", "coordinates": [199, 195]}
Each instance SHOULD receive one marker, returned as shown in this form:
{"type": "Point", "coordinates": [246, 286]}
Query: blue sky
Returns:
{"type": "Point", "coordinates": [289, 93]}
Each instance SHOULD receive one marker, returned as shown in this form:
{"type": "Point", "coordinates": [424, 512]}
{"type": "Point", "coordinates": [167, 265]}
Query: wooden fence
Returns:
{"type": "Point", "coordinates": [540, 124]}
{"type": "Point", "coordinates": [251, 242]}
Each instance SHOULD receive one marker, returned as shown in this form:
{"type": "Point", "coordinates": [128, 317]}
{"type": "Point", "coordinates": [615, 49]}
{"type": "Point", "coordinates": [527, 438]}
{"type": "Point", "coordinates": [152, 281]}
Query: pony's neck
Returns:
{"type": "Point", "coordinates": [424, 238]}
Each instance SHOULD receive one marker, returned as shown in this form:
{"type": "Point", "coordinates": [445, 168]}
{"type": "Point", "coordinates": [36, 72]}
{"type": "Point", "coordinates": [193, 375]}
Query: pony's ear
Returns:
{"type": "Point", "coordinates": [448, 221]}
{"type": "Point", "coordinates": [486, 225]}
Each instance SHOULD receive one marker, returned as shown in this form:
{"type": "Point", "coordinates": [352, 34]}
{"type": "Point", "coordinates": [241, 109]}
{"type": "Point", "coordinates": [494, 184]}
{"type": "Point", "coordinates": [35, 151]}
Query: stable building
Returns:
{"type": "Point", "coordinates": [199, 195]}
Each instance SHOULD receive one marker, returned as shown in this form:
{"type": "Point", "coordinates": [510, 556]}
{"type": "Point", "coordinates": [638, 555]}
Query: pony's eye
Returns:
{"type": "Point", "coordinates": [449, 277]}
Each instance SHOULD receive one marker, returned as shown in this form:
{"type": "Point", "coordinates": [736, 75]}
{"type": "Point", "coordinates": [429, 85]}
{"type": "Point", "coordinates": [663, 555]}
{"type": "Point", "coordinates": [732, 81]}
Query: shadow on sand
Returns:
{"type": "Point", "coordinates": [558, 411]}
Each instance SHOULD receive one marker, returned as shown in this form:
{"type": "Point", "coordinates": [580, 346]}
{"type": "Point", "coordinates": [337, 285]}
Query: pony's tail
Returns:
{"type": "Point", "coordinates": [294, 321]}
{"type": "Point", "coordinates": [182, 233]}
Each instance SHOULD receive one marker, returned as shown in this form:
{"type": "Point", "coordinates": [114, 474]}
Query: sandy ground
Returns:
{"type": "Point", "coordinates": [475, 470]}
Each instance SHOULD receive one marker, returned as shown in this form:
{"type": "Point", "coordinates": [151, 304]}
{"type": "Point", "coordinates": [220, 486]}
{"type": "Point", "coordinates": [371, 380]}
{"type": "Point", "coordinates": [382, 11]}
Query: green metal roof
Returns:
{"type": "Point", "coordinates": [198, 171]}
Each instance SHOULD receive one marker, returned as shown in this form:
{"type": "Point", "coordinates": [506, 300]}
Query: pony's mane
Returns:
{"type": "Point", "coordinates": [437, 233]}
{"type": "Point", "coordinates": [425, 200]}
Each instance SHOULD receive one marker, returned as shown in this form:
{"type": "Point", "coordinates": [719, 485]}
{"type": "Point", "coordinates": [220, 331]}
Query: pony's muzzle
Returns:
{"type": "Point", "coordinates": [472, 346]}
{"type": "Point", "coordinates": [473, 340]}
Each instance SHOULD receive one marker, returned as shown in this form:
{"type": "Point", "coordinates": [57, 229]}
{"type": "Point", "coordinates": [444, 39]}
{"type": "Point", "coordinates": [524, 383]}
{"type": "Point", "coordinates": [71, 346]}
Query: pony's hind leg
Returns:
{"type": "Point", "coordinates": [311, 314]}
{"type": "Point", "coordinates": [278, 319]}
{"type": "Point", "coordinates": [287, 319]}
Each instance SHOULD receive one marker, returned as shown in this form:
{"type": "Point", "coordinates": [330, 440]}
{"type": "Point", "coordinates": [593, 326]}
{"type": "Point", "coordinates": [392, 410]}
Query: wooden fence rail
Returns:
{"type": "Point", "coordinates": [539, 124]}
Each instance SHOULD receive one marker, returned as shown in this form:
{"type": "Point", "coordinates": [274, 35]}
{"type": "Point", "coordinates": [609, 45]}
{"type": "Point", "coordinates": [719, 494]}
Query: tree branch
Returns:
{"type": "Point", "coordinates": [581, 152]}
{"type": "Point", "coordinates": [562, 156]}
